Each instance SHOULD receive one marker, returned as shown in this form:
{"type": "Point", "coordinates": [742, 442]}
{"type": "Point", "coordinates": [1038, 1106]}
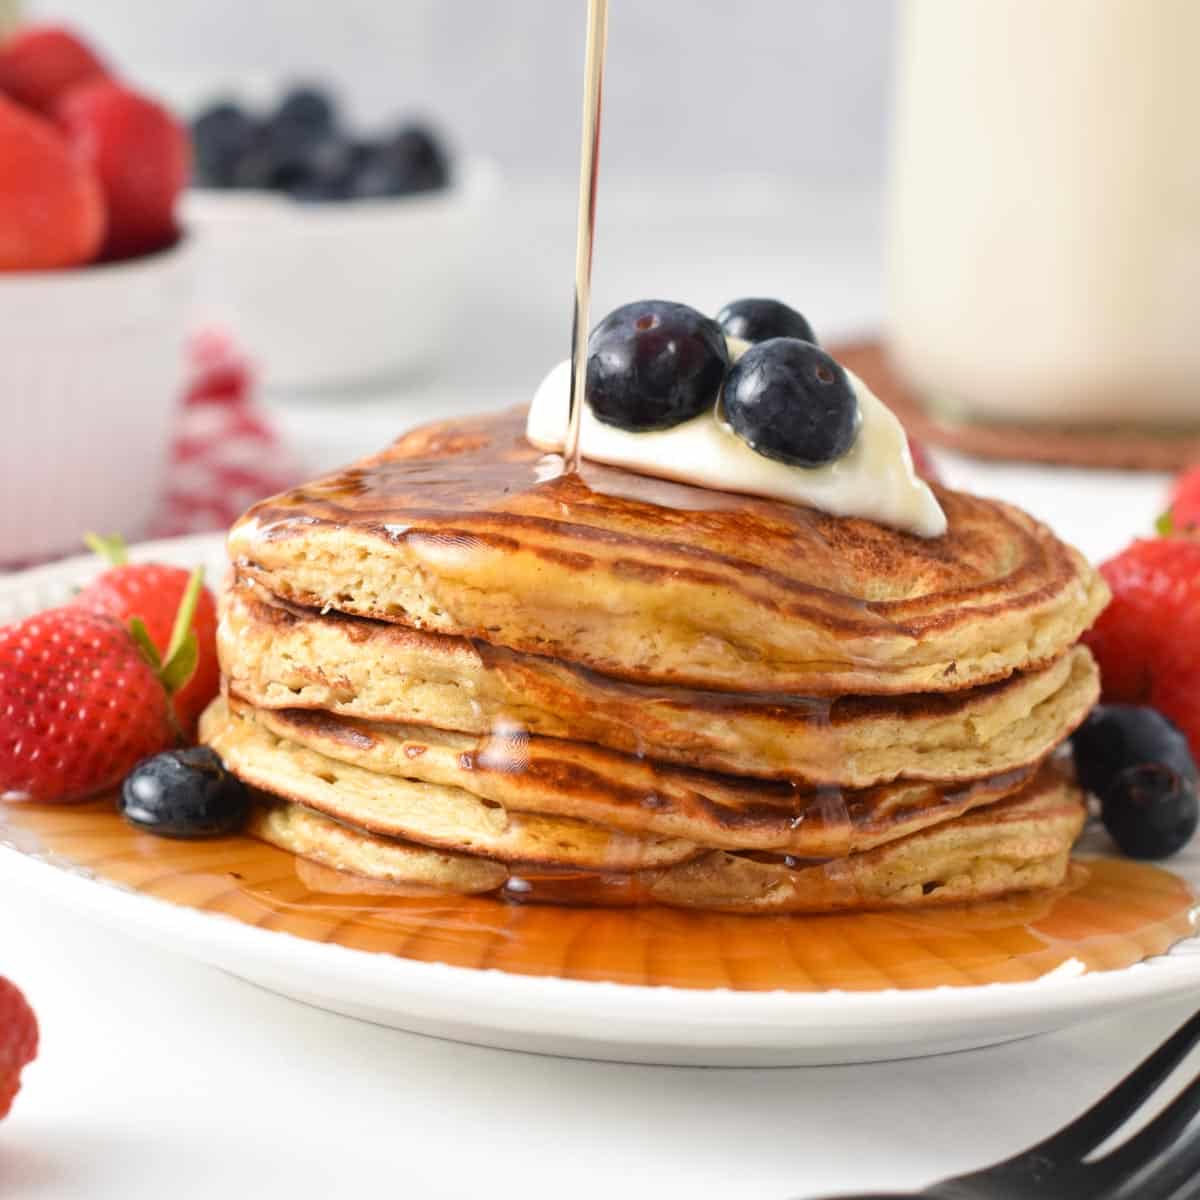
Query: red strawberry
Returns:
{"type": "Point", "coordinates": [142, 157]}
{"type": "Point", "coordinates": [1148, 639]}
{"type": "Point", "coordinates": [18, 1041]}
{"type": "Point", "coordinates": [51, 207]}
{"type": "Point", "coordinates": [83, 699]}
{"type": "Point", "coordinates": [153, 592]}
{"type": "Point", "coordinates": [40, 63]}
{"type": "Point", "coordinates": [79, 705]}
{"type": "Point", "coordinates": [1184, 506]}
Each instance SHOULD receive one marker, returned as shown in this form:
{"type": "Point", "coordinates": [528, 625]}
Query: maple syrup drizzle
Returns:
{"type": "Point", "coordinates": [585, 238]}
{"type": "Point", "coordinates": [1111, 913]}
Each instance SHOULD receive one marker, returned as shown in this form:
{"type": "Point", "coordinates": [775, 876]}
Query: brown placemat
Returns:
{"type": "Point", "coordinates": [1097, 446]}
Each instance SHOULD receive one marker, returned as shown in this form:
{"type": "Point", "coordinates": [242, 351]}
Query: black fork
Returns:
{"type": "Point", "coordinates": [1159, 1162]}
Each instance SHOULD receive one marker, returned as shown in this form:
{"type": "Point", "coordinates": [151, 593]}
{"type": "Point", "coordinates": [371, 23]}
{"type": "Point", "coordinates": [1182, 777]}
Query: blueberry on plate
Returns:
{"type": "Point", "coordinates": [756, 320]}
{"type": "Point", "coordinates": [788, 400]}
{"type": "Point", "coordinates": [1116, 736]}
{"type": "Point", "coordinates": [1150, 810]}
{"type": "Point", "coordinates": [184, 794]}
{"type": "Point", "coordinates": [653, 364]}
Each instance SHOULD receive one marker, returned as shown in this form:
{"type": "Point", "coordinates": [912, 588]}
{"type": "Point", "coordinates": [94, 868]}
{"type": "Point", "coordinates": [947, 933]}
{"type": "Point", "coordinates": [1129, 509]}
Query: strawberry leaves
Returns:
{"type": "Point", "coordinates": [178, 664]}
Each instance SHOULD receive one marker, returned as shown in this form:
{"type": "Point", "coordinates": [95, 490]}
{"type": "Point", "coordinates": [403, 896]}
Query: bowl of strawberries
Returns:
{"type": "Point", "coordinates": [95, 294]}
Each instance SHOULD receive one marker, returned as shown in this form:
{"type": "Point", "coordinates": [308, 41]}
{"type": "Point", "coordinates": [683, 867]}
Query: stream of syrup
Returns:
{"type": "Point", "coordinates": [1111, 914]}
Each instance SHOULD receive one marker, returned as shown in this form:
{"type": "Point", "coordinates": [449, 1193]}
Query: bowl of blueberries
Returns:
{"type": "Point", "coordinates": [339, 259]}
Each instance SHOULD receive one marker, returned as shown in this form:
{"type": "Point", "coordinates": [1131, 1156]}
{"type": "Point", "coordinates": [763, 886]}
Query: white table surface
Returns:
{"type": "Point", "coordinates": [158, 1078]}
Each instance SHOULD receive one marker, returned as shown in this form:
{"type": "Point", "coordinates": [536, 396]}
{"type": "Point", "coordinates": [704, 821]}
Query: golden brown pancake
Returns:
{"type": "Point", "coordinates": [276, 656]}
{"type": "Point", "coordinates": [464, 528]}
{"type": "Point", "coordinates": [680, 811]}
{"type": "Point", "coordinates": [1021, 843]}
{"type": "Point", "coordinates": [378, 772]}
{"type": "Point", "coordinates": [436, 815]}
{"type": "Point", "coordinates": [322, 840]}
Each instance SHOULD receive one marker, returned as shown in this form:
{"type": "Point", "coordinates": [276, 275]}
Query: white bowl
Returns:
{"type": "Point", "coordinates": [92, 370]}
{"type": "Point", "coordinates": [342, 293]}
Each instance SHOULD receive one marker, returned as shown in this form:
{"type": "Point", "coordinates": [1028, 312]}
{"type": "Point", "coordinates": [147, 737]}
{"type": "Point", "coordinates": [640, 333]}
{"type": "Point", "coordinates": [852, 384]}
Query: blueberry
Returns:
{"type": "Point", "coordinates": [1150, 810]}
{"type": "Point", "coordinates": [790, 401]}
{"type": "Point", "coordinates": [382, 176]}
{"type": "Point", "coordinates": [306, 106]}
{"type": "Point", "coordinates": [653, 364]}
{"type": "Point", "coordinates": [221, 135]}
{"type": "Point", "coordinates": [264, 167]}
{"type": "Point", "coordinates": [755, 320]}
{"type": "Point", "coordinates": [411, 160]}
{"type": "Point", "coordinates": [324, 172]}
{"type": "Point", "coordinates": [184, 794]}
{"type": "Point", "coordinates": [1116, 736]}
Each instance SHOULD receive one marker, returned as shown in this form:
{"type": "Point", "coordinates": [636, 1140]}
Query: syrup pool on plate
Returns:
{"type": "Point", "coordinates": [1110, 914]}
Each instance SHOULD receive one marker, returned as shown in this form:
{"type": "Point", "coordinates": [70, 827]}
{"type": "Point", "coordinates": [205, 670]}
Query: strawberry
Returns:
{"type": "Point", "coordinates": [153, 592]}
{"type": "Point", "coordinates": [83, 699]}
{"type": "Point", "coordinates": [1148, 639]}
{"type": "Point", "coordinates": [1183, 510]}
{"type": "Point", "coordinates": [141, 155]}
{"type": "Point", "coordinates": [18, 1041]}
{"type": "Point", "coordinates": [51, 207]}
{"type": "Point", "coordinates": [41, 63]}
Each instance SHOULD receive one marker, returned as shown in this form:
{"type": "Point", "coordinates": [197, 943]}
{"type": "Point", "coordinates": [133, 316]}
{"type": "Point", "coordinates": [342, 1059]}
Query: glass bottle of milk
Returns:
{"type": "Point", "coordinates": [1045, 237]}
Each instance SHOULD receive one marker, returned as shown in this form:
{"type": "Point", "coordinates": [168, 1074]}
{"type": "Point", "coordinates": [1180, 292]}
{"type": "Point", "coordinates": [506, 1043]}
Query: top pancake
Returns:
{"type": "Point", "coordinates": [467, 529]}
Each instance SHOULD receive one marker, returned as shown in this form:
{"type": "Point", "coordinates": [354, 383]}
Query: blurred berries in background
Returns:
{"type": "Point", "coordinates": [304, 149]}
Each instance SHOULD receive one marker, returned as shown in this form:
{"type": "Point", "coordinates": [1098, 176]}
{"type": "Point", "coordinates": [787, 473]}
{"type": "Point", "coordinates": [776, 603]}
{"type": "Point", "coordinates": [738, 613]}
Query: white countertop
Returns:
{"type": "Point", "coordinates": [158, 1078]}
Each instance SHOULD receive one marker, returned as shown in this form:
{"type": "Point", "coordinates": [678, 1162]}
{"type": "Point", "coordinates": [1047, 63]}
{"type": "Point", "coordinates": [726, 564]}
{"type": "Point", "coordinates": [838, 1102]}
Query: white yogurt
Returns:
{"type": "Point", "coordinates": [874, 480]}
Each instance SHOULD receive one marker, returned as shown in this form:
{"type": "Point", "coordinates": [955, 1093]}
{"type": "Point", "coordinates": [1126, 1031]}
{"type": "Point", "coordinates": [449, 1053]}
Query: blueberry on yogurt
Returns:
{"type": "Point", "coordinates": [788, 400]}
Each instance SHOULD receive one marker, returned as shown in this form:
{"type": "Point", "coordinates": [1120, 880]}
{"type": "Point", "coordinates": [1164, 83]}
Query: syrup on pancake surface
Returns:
{"type": "Point", "coordinates": [464, 528]}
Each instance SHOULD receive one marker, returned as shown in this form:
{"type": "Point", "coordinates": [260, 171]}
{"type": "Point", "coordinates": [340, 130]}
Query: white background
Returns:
{"type": "Point", "coordinates": [797, 87]}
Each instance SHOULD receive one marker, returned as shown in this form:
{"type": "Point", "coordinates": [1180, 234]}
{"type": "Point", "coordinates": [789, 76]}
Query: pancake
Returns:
{"type": "Point", "coordinates": [431, 814]}
{"type": "Point", "coordinates": [321, 840]}
{"type": "Point", "coordinates": [464, 528]}
{"type": "Point", "coordinates": [570, 779]}
{"type": "Point", "coordinates": [1018, 844]}
{"type": "Point", "coordinates": [277, 656]}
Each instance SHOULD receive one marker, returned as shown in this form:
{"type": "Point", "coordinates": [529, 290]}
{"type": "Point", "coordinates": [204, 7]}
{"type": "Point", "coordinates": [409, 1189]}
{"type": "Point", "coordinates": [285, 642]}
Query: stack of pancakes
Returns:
{"type": "Point", "coordinates": [455, 666]}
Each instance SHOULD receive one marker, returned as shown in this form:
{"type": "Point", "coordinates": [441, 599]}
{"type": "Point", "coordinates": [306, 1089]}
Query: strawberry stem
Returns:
{"type": "Point", "coordinates": [184, 615]}
{"type": "Point", "coordinates": [141, 635]}
{"type": "Point", "coordinates": [183, 650]}
{"type": "Point", "coordinates": [112, 548]}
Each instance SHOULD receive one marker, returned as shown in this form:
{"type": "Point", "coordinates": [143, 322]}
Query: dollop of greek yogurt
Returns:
{"type": "Point", "coordinates": [875, 479]}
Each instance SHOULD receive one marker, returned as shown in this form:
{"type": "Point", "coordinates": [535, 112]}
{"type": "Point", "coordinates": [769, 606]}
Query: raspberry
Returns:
{"type": "Point", "coordinates": [18, 1041]}
{"type": "Point", "coordinates": [1148, 639]}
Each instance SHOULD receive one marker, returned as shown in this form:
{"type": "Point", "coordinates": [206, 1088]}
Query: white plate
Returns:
{"type": "Point", "coordinates": [594, 1020]}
